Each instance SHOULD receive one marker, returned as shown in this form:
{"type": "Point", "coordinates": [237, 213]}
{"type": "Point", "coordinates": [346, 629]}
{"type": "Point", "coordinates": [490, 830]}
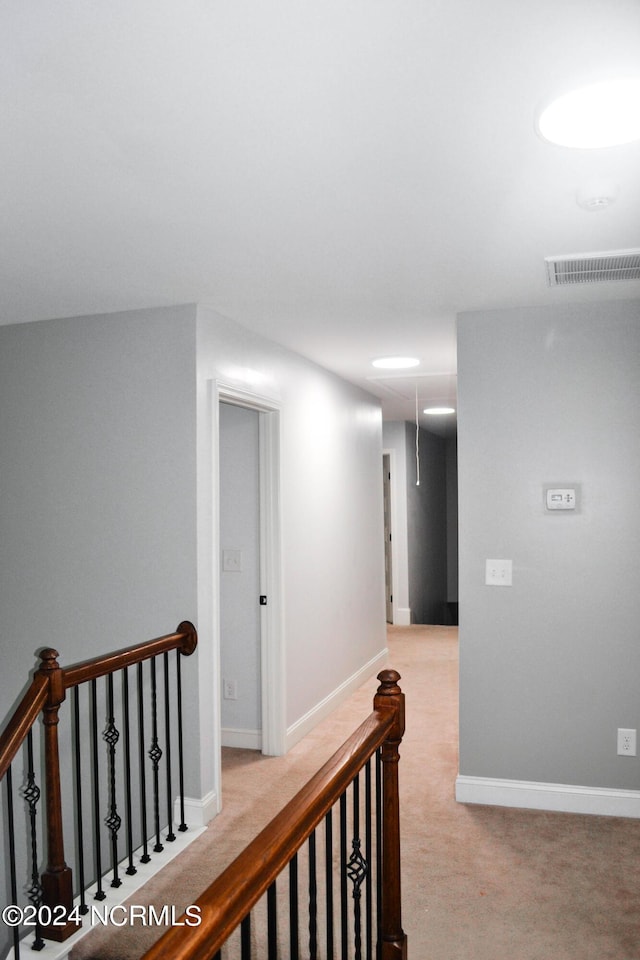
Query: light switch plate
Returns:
{"type": "Point", "coordinates": [232, 561]}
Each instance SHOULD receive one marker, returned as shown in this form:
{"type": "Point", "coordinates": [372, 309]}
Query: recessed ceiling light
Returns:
{"type": "Point", "coordinates": [604, 114]}
{"type": "Point", "coordinates": [395, 363]}
{"type": "Point", "coordinates": [439, 411]}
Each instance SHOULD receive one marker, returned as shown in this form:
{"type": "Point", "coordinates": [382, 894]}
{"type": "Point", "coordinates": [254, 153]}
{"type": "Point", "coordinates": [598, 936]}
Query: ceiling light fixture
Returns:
{"type": "Point", "coordinates": [395, 363]}
{"type": "Point", "coordinates": [438, 411]}
{"type": "Point", "coordinates": [605, 114]}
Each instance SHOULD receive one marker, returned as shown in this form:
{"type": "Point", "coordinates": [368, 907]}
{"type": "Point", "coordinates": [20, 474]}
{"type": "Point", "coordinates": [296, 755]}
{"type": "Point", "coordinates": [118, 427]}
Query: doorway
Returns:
{"type": "Point", "coordinates": [388, 567]}
{"type": "Point", "coordinates": [240, 627]}
{"type": "Point", "coordinates": [248, 592]}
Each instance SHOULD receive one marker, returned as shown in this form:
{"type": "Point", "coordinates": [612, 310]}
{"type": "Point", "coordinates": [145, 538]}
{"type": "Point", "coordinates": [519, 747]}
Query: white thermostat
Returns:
{"type": "Point", "coordinates": [561, 498]}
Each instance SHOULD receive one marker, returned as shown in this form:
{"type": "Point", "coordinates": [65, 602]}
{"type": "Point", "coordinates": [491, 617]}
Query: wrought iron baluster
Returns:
{"type": "Point", "coordinates": [127, 770]}
{"type": "Point", "coordinates": [272, 922]}
{"type": "Point", "coordinates": [344, 917]}
{"type": "Point", "coordinates": [183, 825]}
{"type": "Point", "coordinates": [167, 733]}
{"type": "Point", "coordinates": [83, 906]}
{"type": "Point", "coordinates": [293, 908]}
{"type": "Point", "coordinates": [245, 939]}
{"type": "Point", "coordinates": [378, 852]}
{"type": "Point", "coordinates": [328, 845]}
{"type": "Point", "coordinates": [369, 858]}
{"type": "Point", "coordinates": [99, 894]}
{"type": "Point", "coordinates": [356, 869]}
{"type": "Point", "coordinates": [145, 858]}
{"type": "Point", "coordinates": [313, 899]}
{"type": "Point", "coordinates": [155, 754]}
{"type": "Point", "coordinates": [31, 794]}
{"type": "Point", "coordinates": [113, 820]}
{"type": "Point", "coordinates": [13, 884]}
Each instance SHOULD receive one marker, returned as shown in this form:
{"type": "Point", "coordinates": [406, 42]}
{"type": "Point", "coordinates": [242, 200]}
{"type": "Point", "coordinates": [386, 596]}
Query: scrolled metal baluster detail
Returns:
{"type": "Point", "coordinates": [357, 869]}
{"type": "Point", "coordinates": [113, 820]}
{"type": "Point", "coordinates": [31, 794]}
{"type": "Point", "coordinates": [155, 755]}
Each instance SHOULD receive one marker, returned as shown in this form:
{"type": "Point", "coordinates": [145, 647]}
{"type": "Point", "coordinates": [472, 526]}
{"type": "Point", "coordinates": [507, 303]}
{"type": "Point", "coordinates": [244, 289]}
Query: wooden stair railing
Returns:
{"type": "Point", "coordinates": [45, 696]}
{"type": "Point", "coordinates": [227, 902]}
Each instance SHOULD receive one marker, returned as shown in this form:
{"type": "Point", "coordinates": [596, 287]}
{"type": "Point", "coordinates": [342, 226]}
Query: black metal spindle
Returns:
{"type": "Point", "coordinates": [313, 898]}
{"type": "Point", "coordinates": [167, 733]}
{"type": "Point", "coordinates": [368, 813]}
{"type": "Point", "coordinates": [328, 843]}
{"type": "Point", "coordinates": [245, 939]}
{"type": "Point", "coordinates": [356, 869]}
{"type": "Point", "coordinates": [183, 825]}
{"type": "Point", "coordinates": [99, 894]}
{"type": "Point", "coordinates": [344, 917]}
{"type": "Point", "coordinates": [145, 858]}
{"type": "Point", "coordinates": [13, 884]}
{"type": "Point", "coordinates": [155, 754]}
{"type": "Point", "coordinates": [32, 795]}
{"type": "Point", "coordinates": [294, 924]}
{"type": "Point", "coordinates": [272, 922]}
{"type": "Point", "coordinates": [113, 820]}
{"type": "Point", "coordinates": [127, 771]}
{"type": "Point", "coordinates": [83, 905]}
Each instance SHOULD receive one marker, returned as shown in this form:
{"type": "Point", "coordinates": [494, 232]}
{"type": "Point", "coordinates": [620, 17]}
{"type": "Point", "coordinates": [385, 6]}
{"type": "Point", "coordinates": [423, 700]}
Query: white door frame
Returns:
{"type": "Point", "coordinates": [272, 640]}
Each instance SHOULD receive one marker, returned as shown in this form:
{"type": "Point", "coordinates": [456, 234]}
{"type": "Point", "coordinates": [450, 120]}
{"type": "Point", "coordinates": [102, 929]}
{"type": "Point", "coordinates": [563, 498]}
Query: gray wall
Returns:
{"type": "Point", "coordinates": [97, 509]}
{"type": "Point", "coordinates": [549, 668]}
{"type": "Point", "coordinates": [97, 485]}
{"type": "Point", "coordinates": [332, 513]}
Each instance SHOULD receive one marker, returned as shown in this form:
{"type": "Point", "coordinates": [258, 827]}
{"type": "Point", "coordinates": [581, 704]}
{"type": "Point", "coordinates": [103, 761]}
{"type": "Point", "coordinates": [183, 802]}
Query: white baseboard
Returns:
{"type": "Point", "coordinates": [402, 616]}
{"type": "Point", "coordinates": [305, 724]}
{"type": "Point", "coordinates": [563, 798]}
{"type": "Point", "coordinates": [247, 739]}
{"type": "Point", "coordinates": [197, 812]}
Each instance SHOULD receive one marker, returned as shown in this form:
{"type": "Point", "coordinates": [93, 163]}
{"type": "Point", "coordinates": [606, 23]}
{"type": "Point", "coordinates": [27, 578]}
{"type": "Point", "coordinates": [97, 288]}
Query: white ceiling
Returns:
{"type": "Point", "coordinates": [342, 176]}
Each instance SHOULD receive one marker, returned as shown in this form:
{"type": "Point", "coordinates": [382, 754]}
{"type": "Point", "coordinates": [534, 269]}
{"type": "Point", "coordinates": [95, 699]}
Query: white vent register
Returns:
{"type": "Point", "coordinates": [593, 267]}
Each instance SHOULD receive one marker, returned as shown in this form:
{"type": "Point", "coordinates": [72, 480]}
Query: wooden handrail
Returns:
{"type": "Point", "coordinates": [184, 639]}
{"type": "Point", "coordinates": [24, 717]}
{"type": "Point", "coordinates": [236, 891]}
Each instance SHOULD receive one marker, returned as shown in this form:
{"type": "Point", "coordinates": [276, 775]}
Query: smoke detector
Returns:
{"type": "Point", "coordinates": [593, 267]}
{"type": "Point", "coordinates": [596, 196]}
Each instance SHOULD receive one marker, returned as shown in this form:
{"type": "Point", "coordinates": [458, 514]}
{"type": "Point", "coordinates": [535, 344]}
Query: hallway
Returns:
{"type": "Point", "coordinates": [479, 883]}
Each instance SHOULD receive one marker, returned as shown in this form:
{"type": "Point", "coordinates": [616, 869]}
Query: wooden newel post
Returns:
{"type": "Point", "coordinates": [392, 936]}
{"type": "Point", "coordinates": [57, 885]}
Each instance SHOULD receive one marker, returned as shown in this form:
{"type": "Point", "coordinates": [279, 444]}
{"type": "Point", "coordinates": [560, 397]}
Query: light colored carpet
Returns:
{"type": "Point", "coordinates": [479, 883]}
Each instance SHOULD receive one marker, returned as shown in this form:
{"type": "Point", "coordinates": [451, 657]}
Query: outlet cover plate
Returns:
{"type": "Point", "coordinates": [626, 742]}
{"type": "Point", "coordinates": [499, 573]}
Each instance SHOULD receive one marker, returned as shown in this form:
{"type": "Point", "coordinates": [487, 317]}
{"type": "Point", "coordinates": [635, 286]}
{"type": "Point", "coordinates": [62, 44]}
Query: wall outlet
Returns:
{"type": "Point", "coordinates": [499, 573]}
{"type": "Point", "coordinates": [230, 689]}
{"type": "Point", "coordinates": [626, 742]}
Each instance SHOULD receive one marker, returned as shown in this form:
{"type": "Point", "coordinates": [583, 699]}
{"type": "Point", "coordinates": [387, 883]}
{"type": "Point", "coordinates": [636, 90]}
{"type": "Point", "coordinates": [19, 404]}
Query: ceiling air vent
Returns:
{"type": "Point", "coordinates": [593, 267]}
